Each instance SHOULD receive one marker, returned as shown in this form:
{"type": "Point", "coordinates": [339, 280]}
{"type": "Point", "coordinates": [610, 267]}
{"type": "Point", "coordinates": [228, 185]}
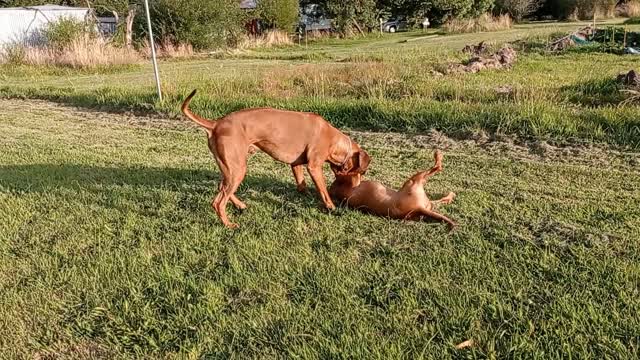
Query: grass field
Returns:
{"type": "Point", "coordinates": [109, 249]}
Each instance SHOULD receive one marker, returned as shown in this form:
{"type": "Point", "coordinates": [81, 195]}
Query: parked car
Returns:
{"type": "Point", "coordinates": [395, 24]}
{"type": "Point", "coordinates": [313, 18]}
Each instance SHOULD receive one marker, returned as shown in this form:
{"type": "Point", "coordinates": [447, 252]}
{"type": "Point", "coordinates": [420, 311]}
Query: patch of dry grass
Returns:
{"type": "Point", "coordinates": [359, 80]}
{"type": "Point", "coordinates": [629, 10]}
{"type": "Point", "coordinates": [269, 39]}
{"type": "Point", "coordinates": [484, 22]}
{"type": "Point", "coordinates": [83, 52]}
{"type": "Point", "coordinates": [168, 48]}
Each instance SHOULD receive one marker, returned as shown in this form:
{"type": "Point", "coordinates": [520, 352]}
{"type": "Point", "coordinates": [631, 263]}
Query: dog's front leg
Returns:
{"type": "Point", "coordinates": [318, 179]}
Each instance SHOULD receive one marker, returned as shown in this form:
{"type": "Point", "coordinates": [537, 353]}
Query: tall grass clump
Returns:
{"type": "Point", "coordinates": [630, 9]}
{"type": "Point", "coordinates": [69, 43]}
{"type": "Point", "coordinates": [484, 22]}
{"type": "Point", "coordinates": [168, 48]}
{"type": "Point", "coordinates": [272, 38]}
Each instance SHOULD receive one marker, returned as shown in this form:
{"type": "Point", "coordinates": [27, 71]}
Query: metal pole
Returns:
{"type": "Point", "coordinates": [153, 49]}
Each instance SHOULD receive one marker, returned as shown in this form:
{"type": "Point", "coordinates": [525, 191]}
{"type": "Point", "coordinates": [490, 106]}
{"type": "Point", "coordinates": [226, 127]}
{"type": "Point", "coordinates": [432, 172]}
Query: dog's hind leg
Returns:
{"type": "Point", "coordinates": [298, 174]}
{"type": "Point", "coordinates": [234, 200]}
{"type": "Point", "coordinates": [445, 200]}
{"type": "Point", "coordinates": [421, 177]}
{"type": "Point", "coordinates": [424, 213]}
{"type": "Point", "coordinates": [232, 161]}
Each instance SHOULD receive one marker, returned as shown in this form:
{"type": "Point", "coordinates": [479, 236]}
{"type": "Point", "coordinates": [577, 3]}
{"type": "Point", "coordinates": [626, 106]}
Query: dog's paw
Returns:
{"type": "Point", "coordinates": [232, 226]}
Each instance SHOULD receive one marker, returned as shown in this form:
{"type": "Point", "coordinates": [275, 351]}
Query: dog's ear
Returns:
{"type": "Point", "coordinates": [361, 162]}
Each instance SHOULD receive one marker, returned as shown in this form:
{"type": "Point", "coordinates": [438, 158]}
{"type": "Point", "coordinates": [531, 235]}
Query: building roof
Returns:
{"type": "Point", "coordinates": [47, 8]}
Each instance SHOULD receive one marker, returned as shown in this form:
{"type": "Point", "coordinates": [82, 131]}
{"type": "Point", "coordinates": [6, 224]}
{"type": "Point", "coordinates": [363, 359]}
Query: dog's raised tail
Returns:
{"type": "Point", "coordinates": [207, 124]}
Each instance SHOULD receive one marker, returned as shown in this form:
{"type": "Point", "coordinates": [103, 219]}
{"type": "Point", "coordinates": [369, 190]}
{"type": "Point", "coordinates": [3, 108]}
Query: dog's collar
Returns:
{"type": "Point", "coordinates": [349, 154]}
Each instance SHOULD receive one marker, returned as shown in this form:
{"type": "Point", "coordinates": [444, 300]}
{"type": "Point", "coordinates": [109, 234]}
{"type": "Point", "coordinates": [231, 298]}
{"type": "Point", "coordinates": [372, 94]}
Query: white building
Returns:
{"type": "Point", "coordinates": [23, 24]}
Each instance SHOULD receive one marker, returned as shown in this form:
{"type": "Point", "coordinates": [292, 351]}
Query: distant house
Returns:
{"type": "Point", "coordinates": [24, 24]}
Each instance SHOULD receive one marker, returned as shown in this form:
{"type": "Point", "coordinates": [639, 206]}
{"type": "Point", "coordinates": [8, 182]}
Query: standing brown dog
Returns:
{"type": "Point", "coordinates": [295, 138]}
{"type": "Point", "coordinates": [410, 203]}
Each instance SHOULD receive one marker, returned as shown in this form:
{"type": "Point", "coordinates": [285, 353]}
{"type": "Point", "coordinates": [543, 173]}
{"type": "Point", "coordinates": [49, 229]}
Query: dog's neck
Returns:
{"type": "Point", "coordinates": [349, 152]}
{"type": "Point", "coordinates": [348, 180]}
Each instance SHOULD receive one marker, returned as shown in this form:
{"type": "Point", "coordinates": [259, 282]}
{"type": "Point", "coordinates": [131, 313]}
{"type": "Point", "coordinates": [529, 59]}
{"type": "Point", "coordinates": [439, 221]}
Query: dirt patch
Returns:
{"type": "Point", "coordinates": [501, 59]}
{"type": "Point", "coordinates": [629, 79]}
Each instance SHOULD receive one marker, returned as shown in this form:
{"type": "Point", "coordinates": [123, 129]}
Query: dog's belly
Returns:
{"type": "Point", "coordinates": [375, 198]}
{"type": "Point", "coordinates": [294, 155]}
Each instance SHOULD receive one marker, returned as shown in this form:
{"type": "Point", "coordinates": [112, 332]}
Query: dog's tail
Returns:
{"type": "Point", "coordinates": [208, 125]}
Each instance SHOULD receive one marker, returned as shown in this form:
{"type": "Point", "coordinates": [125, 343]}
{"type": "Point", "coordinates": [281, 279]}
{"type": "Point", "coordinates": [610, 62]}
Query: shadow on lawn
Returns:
{"type": "Point", "coordinates": [110, 185]}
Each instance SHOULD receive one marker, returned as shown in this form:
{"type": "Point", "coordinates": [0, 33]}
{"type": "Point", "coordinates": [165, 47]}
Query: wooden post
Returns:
{"type": "Point", "coordinates": [624, 41]}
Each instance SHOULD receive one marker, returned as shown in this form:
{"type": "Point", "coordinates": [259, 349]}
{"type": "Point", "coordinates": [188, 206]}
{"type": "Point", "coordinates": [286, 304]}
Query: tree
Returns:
{"type": "Point", "coordinates": [203, 24]}
{"type": "Point", "coordinates": [117, 8]}
{"type": "Point", "coordinates": [280, 14]}
{"type": "Point", "coordinates": [353, 13]}
{"type": "Point", "coordinates": [518, 9]}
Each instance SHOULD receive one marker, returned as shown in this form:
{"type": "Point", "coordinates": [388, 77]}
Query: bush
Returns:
{"type": "Point", "coordinates": [210, 24]}
{"type": "Point", "coordinates": [279, 14]}
{"type": "Point", "coordinates": [633, 21]}
{"type": "Point", "coordinates": [518, 9]}
{"type": "Point", "coordinates": [583, 9]}
{"type": "Point", "coordinates": [484, 22]}
{"type": "Point", "coordinates": [63, 32]}
{"type": "Point", "coordinates": [350, 16]}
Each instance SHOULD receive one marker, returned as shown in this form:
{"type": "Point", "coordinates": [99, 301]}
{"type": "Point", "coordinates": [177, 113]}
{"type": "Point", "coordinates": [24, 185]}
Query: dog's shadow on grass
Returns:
{"type": "Point", "coordinates": [144, 184]}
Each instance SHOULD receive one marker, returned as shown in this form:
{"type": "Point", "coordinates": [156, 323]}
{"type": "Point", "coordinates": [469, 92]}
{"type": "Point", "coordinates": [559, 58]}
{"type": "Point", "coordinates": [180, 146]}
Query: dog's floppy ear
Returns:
{"type": "Point", "coordinates": [362, 159]}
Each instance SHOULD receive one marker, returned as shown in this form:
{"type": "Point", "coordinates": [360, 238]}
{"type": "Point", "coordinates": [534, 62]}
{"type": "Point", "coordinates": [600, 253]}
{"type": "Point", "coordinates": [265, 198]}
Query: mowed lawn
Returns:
{"type": "Point", "coordinates": [109, 249]}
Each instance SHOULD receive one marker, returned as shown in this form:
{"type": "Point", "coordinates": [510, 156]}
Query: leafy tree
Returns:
{"type": "Point", "coordinates": [280, 14]}
{"type": "Point", "coordinates": [354, 13]}
{"type": "Point", "coordinates": [128, 8]}
{"type": "Point", "coordinates": [518, 9]}
{"type": "Point", "coordinates": [203, 24]}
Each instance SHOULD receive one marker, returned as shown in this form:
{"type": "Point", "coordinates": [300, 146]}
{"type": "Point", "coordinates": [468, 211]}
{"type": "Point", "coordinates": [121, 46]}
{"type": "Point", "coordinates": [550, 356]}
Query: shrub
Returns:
{"type": "Point", "coordinates": [13, 54]}
{"type": "Point", "coordinates": [484, 22]}
{"type": "Point", "coordinates": [210, 24]}
{"type": "Point", "coordinates": [633, 21]}
{"type": "Point", "coordinates": [279, 14]}
{"type": "Point", "coordinates": [63, 32]}
{"type": "Point", "coordinates": [583, 9]}
{"type": "Point", "coordinates": [350, 16]}
{"type": "Point", "coordinates": [518, 9]}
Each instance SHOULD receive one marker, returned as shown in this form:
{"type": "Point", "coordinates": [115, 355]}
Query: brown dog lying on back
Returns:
{"type": "Point", "coordinates": [410, 203]}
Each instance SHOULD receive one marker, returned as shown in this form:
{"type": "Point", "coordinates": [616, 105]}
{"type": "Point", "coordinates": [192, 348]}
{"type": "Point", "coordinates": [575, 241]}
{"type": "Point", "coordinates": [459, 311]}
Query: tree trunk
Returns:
{"type": "Point", "coordinates": [358, 27]}
{"type": "Point", "coordinates": [128, 31]}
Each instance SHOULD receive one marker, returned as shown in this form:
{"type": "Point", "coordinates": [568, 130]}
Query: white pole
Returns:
{"type": "Point", "coordinates": [153, 49]}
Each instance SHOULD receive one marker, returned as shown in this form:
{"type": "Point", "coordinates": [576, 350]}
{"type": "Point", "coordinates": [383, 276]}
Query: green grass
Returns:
{"type": "Point", "coordinates": [108, 246]}
{"type": "Point", "coordinates": [379, 83]}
